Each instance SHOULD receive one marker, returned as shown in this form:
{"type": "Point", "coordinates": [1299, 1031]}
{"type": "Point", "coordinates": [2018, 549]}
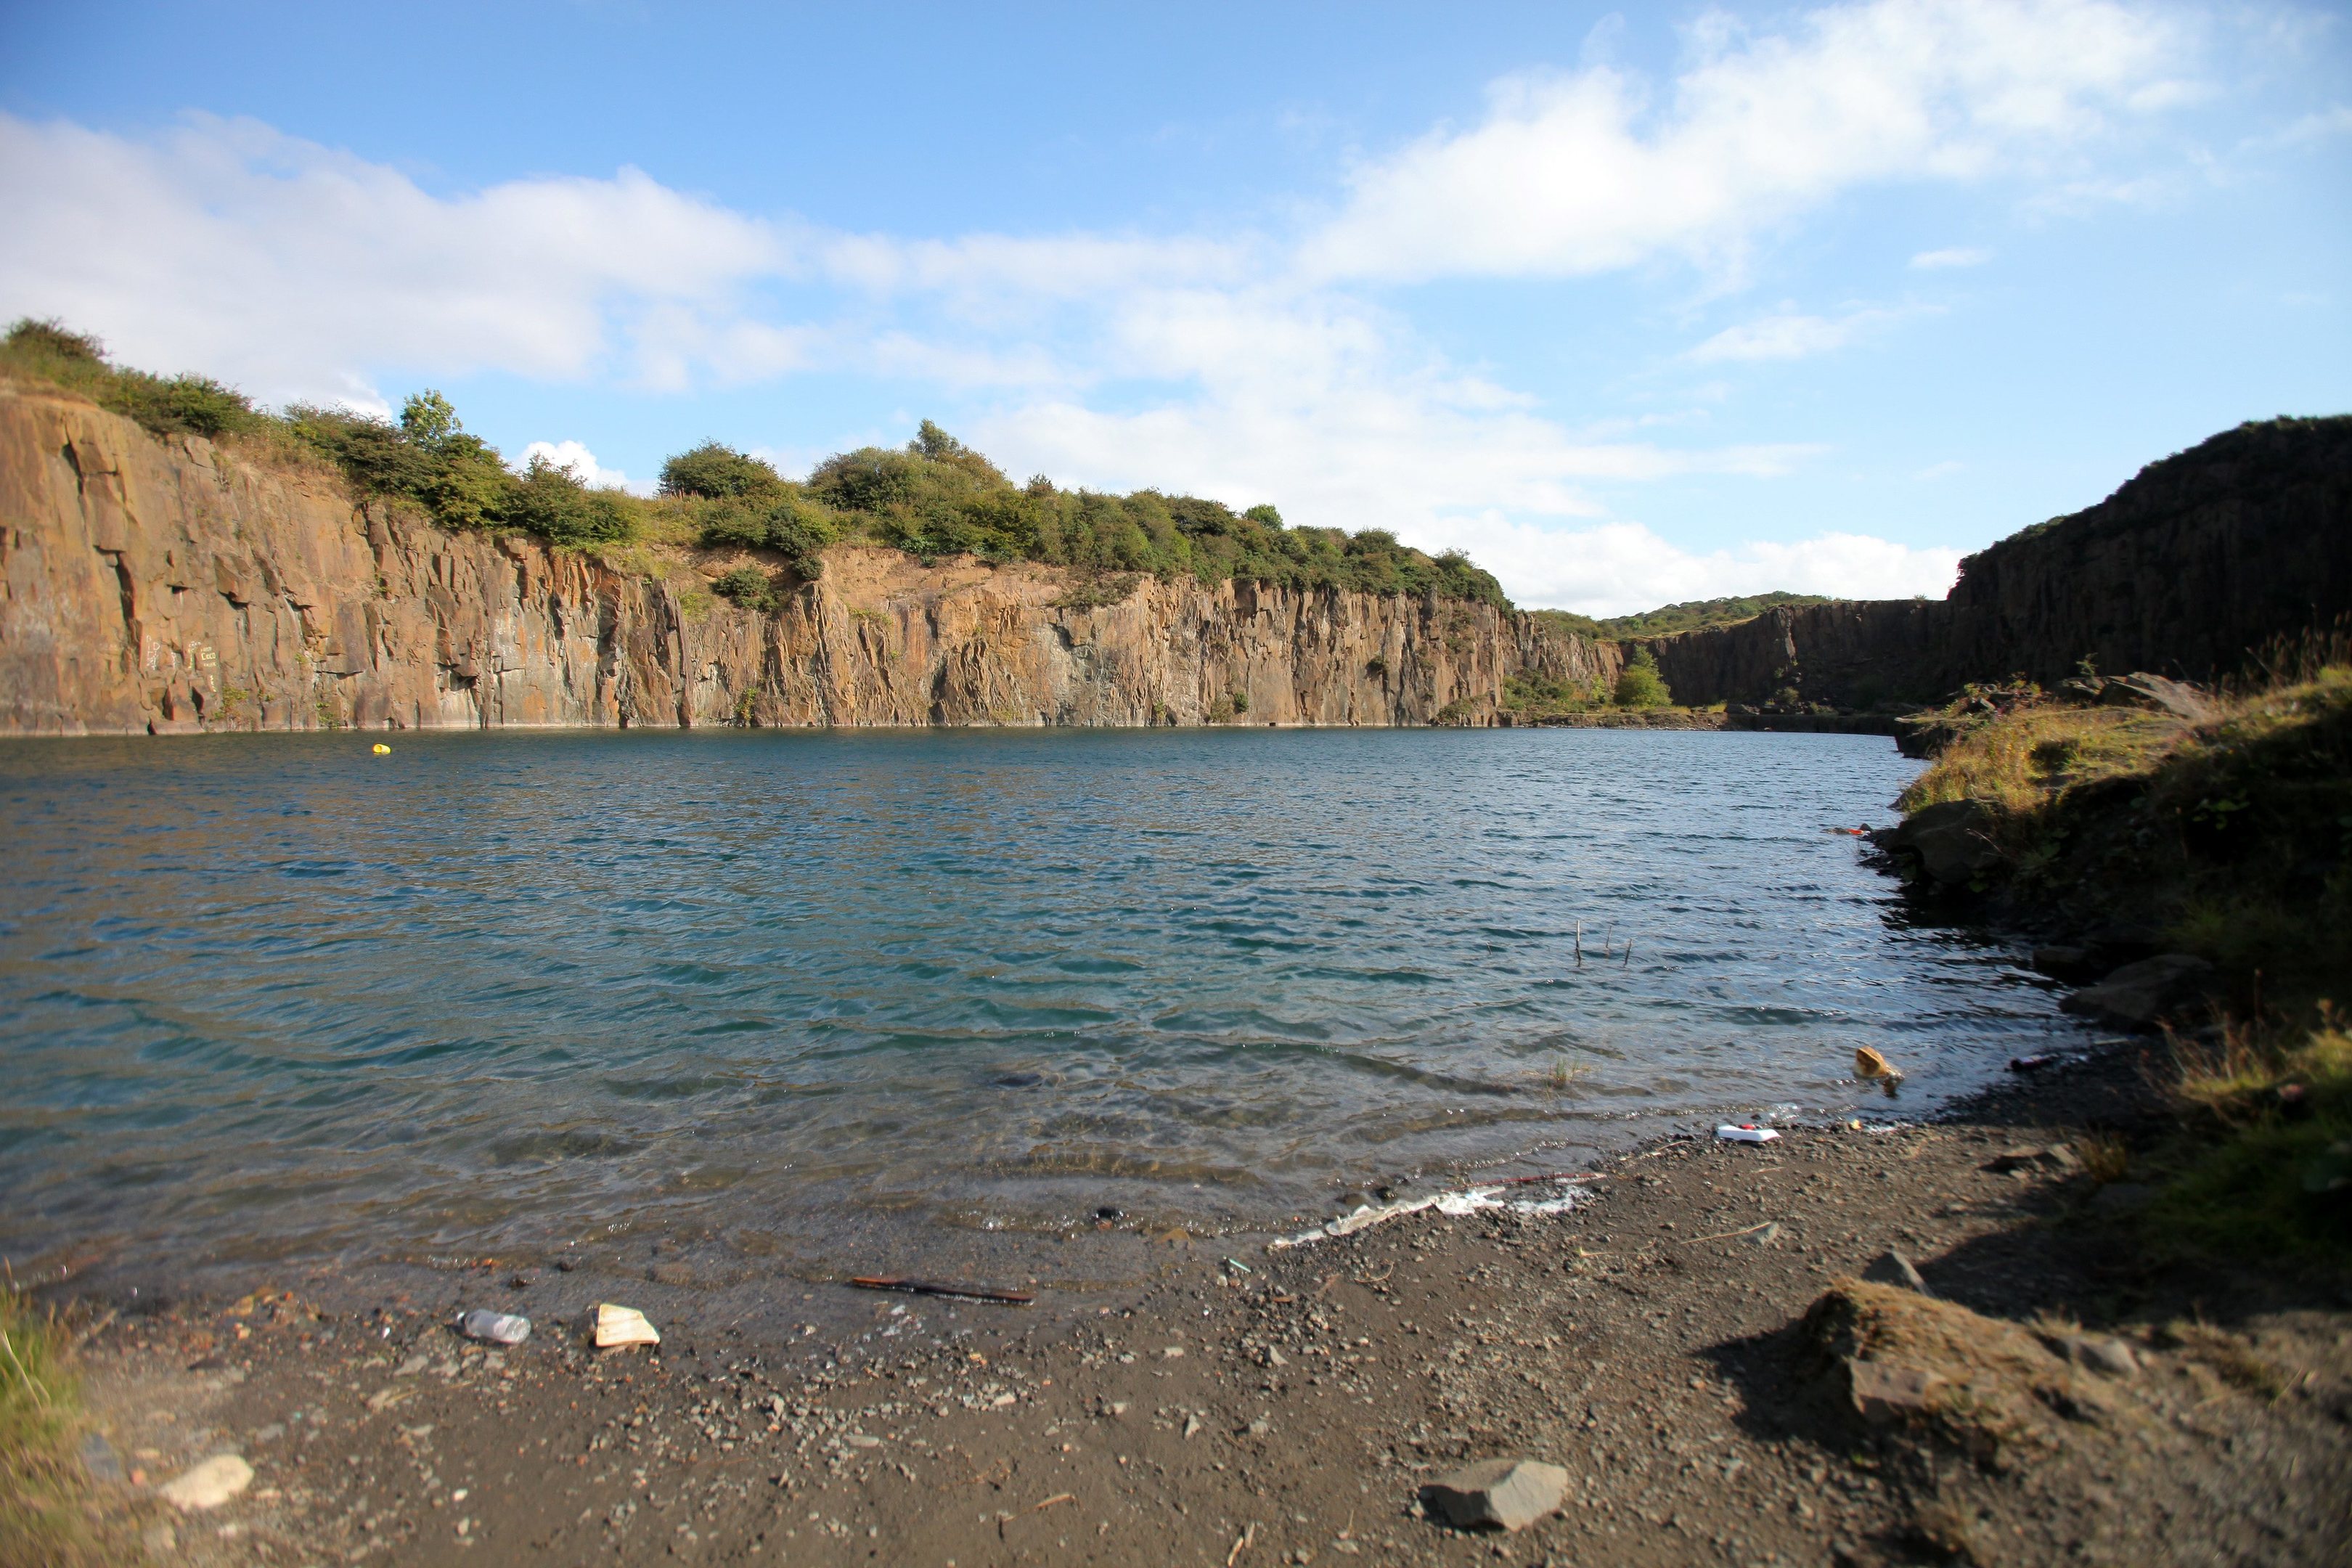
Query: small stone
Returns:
{"type": "Point", "coordinates": [1884, 1392]}
{"type": "Point", "coordinates": [2109, 1357]}
{"type": "Point", "coordinates": [1497, 1494]}
{"type": "Point", "coordinates": [209, 1484]}
{"type": "Point", "coordinates": [1893, 1269]}
{"type": "Point", "coordinates": [412, 1366]}
{"type": "Point", "coordinates": [1260, 1427]}
{"type": "Point", "coordinates": [99, 1457]}
{"type": "Point", "coordinates": [1192, 1426]}
{"type": "Point", "coordinates": [1171, 1353]}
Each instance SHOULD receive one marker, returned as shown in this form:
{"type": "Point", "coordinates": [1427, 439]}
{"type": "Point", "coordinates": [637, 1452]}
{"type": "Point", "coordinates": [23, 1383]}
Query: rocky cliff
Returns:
{"type": "Point", "coordinates": [154, 586]}
{"type": "Point", "coordinates": [2192, 565]}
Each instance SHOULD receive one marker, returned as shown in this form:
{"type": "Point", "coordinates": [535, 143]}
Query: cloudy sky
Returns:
{"type": "Point", "coordinates": [1636, 306]}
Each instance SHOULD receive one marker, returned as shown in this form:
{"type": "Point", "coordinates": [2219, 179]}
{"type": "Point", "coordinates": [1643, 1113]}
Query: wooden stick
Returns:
{"type": "Point", "coordinates": [941, 1288]}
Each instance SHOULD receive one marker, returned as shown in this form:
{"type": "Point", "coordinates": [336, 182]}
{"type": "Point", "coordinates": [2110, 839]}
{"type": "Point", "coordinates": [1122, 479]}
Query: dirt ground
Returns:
{"type": "Point", "coordinates": [1653, 1340]}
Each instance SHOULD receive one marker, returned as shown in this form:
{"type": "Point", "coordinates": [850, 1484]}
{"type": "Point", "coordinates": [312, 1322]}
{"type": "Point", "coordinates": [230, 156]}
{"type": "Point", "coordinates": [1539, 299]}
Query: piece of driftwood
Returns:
{"type": "Point", "coordinates": [941, 1288]}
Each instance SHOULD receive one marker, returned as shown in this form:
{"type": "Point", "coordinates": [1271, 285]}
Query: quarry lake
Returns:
{"type": "Point", "coordinates": [773, 1006]}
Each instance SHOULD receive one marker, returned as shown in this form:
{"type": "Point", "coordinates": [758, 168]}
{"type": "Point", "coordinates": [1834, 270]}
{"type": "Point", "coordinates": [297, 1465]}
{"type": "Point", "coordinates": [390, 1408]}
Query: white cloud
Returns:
{"type": "Point", "coordinates": [1959, 256]}
{"type": "Point", "coordinates": [1592, 172]}
{"type": "Point", "coordinates": [1251, 366]}
{"type": "Point", "coordinates": [584, 465]}
{"type": "Point", "coordinates": [1787, 337]}
{"type": "Point", "coordinates": [1618, 568]}
{"type": "Point", "coordinates": [297, 271]}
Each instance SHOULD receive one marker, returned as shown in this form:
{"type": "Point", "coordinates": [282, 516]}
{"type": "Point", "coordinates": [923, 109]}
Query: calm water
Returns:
{"type": "Point", "coordinates": [800, 1002]}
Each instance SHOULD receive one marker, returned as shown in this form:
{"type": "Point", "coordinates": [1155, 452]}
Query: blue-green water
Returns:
{"type": "Point", "coordinates": [785, 997]}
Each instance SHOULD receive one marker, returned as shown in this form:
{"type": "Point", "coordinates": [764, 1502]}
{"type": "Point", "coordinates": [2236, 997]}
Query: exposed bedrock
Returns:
{"type": "Point", "coordinates": [2191, 568]}
{"type": "Point", "coordinates": [170, 586]}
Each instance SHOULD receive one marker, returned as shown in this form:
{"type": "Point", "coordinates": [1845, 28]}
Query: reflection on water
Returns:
{"type": "Point", "coordinates": [277, 997]}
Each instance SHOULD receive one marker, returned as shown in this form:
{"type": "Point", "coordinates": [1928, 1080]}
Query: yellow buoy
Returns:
{"type": "Point", "coordinates": [382, 749]}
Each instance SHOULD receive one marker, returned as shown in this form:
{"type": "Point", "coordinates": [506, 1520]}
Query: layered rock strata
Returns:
{"type": "Point", "coordinates": [173, 586]}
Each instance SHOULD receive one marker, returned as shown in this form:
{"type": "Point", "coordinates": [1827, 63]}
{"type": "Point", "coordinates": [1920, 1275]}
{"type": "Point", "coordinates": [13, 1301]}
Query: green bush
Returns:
{"type": "Point", "coordinates": [553, 503]}
{"type": "Point", "coordinates": [168, 405]}
{"type": "Point", "coordinates": [716, 472]}
{"type": "Point", "coordinates": [747, 587]}
{"type": "Point", "coordinates": [1639, 684]}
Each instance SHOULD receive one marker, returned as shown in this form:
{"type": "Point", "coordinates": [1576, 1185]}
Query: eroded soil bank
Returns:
{"type": "Point", "coordinates": [1652, 1341]}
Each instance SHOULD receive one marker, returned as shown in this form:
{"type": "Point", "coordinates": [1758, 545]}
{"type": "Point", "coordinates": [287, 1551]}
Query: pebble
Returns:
{"type": "Point", "coordinates": [209, 1484]}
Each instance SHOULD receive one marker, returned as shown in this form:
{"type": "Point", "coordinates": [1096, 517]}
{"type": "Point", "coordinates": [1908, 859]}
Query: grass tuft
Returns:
{"type": "Point", "coordinates": [45, 1515]}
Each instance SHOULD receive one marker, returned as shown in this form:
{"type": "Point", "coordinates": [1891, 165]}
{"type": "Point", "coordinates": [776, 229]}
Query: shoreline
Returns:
{"type": "Point", "coordinates": [1650, 1339]}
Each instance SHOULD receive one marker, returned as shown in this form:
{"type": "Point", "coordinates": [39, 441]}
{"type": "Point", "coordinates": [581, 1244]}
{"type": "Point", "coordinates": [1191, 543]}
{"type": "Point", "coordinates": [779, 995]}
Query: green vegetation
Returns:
{"type": "Point", "coordinates": [2234, 836]}
{"type": "Point", "coordinates": [169, 405]}
{"type": "Point", "coordinates": [747, 587]}
{"type": "Point", "coordinates": [1639, 684]}
{"type": "Point", "coordinates": [2261, 1164]}
{"type": "Point", "coordinates": [44, 1513]}
{"type": "Point", "coordinates": [935, 497]}
{"type": "Point", "coordinates": [2231, 838]}
{"type": "Point", "coordinates": [1696, 616]}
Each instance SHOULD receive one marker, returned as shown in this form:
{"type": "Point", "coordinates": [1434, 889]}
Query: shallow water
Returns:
{"type": "Point", "coordinates": [784, 998]}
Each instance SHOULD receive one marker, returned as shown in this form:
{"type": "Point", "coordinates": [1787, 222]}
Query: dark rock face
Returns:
{"type": "Point", "coordinates": [2192, 565]}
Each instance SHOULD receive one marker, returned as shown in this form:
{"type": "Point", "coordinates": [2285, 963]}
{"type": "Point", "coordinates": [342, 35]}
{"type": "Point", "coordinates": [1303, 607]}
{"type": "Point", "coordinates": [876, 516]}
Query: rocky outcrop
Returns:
{"type": "Point", "coordinates": [2190, 568]}
{"type": "Point", "coordinates": [154, 586]}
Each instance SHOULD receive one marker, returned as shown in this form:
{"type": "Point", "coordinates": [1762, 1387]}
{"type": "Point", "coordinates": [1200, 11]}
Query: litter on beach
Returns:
{"type": "Point", "coordinates": [617, 1326]}
{"type": "Point", "coordinates": [943, 1288]}
{"type": "Point", "coordinates": [1745, 1133]}
{"type": "Point", "coordinates": [2034, 1063]}
{"type": "Point", "coordinates": [497, 1328]}
{"type": "Point", "coordinates": [1472, 1200]}
{"type": "Point", "coordinates": [1869, 1064]}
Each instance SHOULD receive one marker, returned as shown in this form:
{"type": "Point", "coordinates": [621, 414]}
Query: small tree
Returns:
{"type": "Point", "coordinates": [1639, 684]}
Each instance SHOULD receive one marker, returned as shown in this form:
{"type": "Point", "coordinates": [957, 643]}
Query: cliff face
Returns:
{"type": "Point", "coordinates": [2192, 564]}
{"type": "Point", "coordinates": [172, 587]}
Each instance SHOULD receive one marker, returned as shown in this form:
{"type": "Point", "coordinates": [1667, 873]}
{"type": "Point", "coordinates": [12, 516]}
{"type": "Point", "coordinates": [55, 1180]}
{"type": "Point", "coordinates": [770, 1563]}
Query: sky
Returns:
{"type": "Point", "coordinates": [1636, 306]}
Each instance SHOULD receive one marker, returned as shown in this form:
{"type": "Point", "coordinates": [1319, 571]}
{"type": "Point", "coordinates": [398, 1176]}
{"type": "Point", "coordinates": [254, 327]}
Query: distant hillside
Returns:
{"type": "Point", "coordinates": [1696, 616]}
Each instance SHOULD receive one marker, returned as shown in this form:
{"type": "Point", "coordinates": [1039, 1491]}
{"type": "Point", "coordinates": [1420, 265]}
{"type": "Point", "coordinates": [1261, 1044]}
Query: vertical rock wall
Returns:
{"type": "Point", "coordinates": [170, 586]}
{"type": "Point", "coordinates": [2194, 563]}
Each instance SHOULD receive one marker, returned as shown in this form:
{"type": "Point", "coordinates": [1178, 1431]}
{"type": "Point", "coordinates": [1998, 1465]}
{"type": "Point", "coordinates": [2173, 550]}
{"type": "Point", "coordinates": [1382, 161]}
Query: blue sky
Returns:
{"type": "Point", "coordinates": [1637, 306]}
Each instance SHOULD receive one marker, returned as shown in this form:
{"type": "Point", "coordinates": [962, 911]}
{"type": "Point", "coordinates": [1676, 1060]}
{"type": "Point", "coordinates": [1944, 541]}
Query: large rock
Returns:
{"type": "Point", "coordinates": [173, 586]}
{"type": "Point", "coordinates": [1497, 1494]}
{"type": "Point", "coordinates": [2141, 995]}
{"type": "Point", "coordinates": [1951, 840]}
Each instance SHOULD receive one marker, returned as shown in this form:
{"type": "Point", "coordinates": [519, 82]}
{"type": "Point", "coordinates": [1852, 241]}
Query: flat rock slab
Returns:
{"type": "Point", "coordinates": [209, 1484]}
{"type": "Point", "coordinates": [1497, 1494]}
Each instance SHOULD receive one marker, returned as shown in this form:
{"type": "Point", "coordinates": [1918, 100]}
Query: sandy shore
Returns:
{"type": "Point", "coordinates": [1649, 1339]}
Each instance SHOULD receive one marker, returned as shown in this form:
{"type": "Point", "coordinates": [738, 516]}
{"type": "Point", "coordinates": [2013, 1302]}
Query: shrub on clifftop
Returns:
{"type": "Point", "coordinates": [168, 405]}
{"type": "Point", "coordinates": [716, 472]}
